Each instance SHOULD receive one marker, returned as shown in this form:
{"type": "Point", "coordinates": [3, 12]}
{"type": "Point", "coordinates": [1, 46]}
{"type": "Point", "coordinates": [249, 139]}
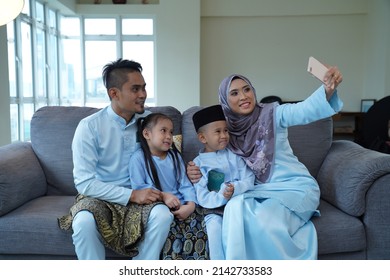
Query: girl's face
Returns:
{"type": "Point", "coordinates": [160, 137]}
{"type": "Point", "coordinates": [241, 97]}
{"type": "Point", "coordinates": [214, 136]}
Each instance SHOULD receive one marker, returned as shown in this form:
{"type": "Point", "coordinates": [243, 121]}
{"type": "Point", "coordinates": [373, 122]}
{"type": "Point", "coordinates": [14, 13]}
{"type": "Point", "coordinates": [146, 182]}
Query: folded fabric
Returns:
{"type": "Point", "coordinates": [215, 179]}
{"type": "Point", "coordinates": [121, 227]}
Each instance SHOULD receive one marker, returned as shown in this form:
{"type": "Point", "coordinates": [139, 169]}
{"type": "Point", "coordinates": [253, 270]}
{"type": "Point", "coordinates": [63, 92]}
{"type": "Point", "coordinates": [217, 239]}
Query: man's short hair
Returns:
{"type": "Point", "coordinates": [115, 73]}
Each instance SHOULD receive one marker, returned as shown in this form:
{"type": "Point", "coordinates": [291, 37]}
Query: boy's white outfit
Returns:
{"type": "Point", "coordinates": [236, 172]}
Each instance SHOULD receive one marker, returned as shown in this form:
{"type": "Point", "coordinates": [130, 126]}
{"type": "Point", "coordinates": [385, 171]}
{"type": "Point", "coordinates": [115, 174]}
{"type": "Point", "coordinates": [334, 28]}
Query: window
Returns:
{"type": "Point", "coordinates": [58, 60]}
{"type": "Point", "coordinates": [103, 40]}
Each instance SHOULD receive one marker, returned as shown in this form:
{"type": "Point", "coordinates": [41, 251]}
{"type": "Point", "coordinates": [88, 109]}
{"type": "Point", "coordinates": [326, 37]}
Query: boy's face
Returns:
{"type": "Point", "coordinates": [214, 136]}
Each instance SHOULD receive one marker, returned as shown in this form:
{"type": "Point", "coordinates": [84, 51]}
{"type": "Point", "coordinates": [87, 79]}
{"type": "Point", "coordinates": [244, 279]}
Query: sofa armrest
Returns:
{"type": "Point", "coordinates": [348, 172]}
{"type": "Point", "coordinates": [21, 176]}
{"type": "Point", "coordinates": [376, 219]}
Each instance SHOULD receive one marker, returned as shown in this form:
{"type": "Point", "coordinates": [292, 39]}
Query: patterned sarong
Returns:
{"type": "Point", "coordinates": [121, 227]}
{"type": "Point", "coordinates": [187, 240]}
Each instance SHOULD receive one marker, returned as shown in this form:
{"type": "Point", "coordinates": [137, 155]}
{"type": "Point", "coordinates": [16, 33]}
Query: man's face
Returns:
{"type": "Point", "coordinates": [130, 99]}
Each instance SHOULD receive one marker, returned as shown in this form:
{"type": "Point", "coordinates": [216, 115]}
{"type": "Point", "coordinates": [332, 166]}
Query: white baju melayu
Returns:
{"type": "Point", "coordinates": [273, 221]}
{"type": "Point", "coordinates": [102, 146]}
{"type": "Point", "coordinates": [235, 171]}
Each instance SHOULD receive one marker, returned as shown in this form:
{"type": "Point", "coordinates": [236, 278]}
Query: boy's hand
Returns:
{"type": "Point", "coordinates": [229, 190]}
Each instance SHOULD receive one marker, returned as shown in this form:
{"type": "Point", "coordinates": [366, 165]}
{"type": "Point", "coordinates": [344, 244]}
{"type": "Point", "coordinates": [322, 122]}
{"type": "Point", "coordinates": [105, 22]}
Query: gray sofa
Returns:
{"type": "Point", "coordinates": [36, 187]}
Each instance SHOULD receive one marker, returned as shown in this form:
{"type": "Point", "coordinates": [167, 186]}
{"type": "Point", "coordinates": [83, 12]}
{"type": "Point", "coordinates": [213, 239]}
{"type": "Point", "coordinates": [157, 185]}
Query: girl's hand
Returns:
{"type": "Point", "coordinates": [333, 78]}
{"type": "Point", "coordinates": [229, 190]}
{"type": "Point", "coordinates": [185, 211]}
{"type": "Point", "coordinates": [171, 201]}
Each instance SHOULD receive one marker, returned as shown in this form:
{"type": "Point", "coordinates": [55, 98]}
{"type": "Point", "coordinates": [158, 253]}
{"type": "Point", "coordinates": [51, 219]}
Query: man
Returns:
{"type": "Point", "coordinates": [108, 213]}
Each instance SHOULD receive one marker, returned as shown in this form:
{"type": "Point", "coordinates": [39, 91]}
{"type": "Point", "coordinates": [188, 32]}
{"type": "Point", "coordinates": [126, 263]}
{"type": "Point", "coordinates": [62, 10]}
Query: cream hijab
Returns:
{"type": "Point", "coordinates": [251, 136]}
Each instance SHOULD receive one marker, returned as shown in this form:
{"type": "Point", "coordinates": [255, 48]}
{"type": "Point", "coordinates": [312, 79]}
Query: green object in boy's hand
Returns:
{"type": "Point", "coordinates": [215, 179]}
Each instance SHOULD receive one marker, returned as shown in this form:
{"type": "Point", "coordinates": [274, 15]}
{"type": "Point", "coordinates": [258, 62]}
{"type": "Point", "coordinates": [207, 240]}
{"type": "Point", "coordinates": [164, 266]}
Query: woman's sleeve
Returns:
{"type": "Point", "coordinates": [313, 108]}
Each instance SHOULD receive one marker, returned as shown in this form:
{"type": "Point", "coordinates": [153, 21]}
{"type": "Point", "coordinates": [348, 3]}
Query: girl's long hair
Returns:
{"type": "Point", "coordinates": [149, 122]}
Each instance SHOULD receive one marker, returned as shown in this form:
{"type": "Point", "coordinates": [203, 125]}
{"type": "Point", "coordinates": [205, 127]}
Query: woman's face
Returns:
{"type": "Point", "coordinates": [241, 97]}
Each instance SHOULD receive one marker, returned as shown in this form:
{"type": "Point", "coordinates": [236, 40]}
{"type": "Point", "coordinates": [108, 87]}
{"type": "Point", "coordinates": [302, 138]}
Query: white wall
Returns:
{"type": "Point", "coordinates": [377, 72]}
{"type": "Point", "coordinates": [270, 42]}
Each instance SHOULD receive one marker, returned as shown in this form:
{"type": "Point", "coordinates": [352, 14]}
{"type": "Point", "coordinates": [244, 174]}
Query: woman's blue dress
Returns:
{"type": "Point", "coordinates": [273, 221]}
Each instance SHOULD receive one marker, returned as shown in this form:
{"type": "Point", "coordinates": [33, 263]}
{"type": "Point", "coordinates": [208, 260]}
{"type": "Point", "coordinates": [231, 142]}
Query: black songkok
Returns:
{"type": "Point", "coordinates": [208, 115]}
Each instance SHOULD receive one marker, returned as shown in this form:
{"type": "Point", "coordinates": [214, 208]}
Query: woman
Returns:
{"type": "Point", "coordinates": [272, 221]}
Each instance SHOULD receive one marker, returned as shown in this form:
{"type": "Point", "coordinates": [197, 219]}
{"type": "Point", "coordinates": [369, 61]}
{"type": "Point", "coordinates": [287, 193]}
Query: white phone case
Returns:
{"type": "Point", "coordinates": [317, 69]}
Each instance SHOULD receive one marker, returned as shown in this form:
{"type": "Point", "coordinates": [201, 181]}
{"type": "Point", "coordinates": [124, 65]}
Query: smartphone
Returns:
{"type": "Point", "coordinates": [317, 69]}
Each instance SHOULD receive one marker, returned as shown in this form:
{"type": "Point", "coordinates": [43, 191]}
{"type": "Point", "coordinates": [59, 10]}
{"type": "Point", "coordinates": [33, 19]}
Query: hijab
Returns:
{"type": "Point", "coordinates": [252, 136]}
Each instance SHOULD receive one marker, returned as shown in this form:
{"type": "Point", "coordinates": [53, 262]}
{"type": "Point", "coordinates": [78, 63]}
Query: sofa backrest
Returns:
{"type": "Point", "coordinates": [190, 144]}
{"type": "Point", "coordinates": [53, 127]}
{"type": "Point", "coordinates": [310, 142]}
{"type": "Point", "coordinates": [52, 131]}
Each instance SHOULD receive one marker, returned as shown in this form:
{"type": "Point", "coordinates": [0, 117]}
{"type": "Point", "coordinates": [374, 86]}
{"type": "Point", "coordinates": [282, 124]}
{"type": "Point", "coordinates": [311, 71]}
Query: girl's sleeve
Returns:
{"type": "Point", "coordinates": [313, 108]}
{"type": "Point", "coordinates": [186, 188]}
{"type": "Point", "coordinates": [139, 179]}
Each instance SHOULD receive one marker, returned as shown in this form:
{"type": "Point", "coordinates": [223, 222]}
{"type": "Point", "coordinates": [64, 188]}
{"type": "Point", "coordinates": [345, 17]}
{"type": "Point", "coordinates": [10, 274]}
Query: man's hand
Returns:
{"type": "Point", "coordinates": [145, 196]}
{"type": "Point", "coordinates": [193, 172]}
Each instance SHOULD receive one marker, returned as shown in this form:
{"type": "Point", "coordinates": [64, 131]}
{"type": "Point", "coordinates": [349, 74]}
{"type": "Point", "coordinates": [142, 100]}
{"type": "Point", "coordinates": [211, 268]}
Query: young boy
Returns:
{"type": "Point", "coordinates": [224, 174]}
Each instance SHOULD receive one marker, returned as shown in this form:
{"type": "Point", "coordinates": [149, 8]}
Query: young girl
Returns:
{"type": "Point", "coordinates": [158, 164]}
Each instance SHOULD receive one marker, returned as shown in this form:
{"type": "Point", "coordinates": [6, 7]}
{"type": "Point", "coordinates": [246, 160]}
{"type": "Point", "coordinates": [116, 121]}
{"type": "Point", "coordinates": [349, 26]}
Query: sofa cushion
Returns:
{"type": "Point", "coordinates": [337, 231]}
{"type": "Point", "coordinates": [311, 143]}
{"type": "Point", "coordinates": [52, 131]}
{"type": "Point", "coordinates": [32, 231]}
{"type": "Point", "coordinates": [21, 176]}
{"type": "Point", "coordinates": [33, 228]}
